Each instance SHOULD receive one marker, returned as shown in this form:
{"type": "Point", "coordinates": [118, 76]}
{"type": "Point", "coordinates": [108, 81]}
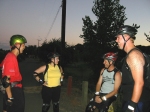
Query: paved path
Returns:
{"type": "Point", "coordinates": [33, 101]}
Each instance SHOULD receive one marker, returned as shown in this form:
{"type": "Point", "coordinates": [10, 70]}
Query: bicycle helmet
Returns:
{"type": "Point", "coordinates": [17, 39]}
{"type": "Point", "coordinates": [126, 29]}
{"type": "Point", "coordinates": [53, 55]}
{"type": "Point", "coordinates": [110, 56]}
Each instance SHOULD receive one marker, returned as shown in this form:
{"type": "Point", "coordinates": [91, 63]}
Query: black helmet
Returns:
{"type": "Point", "coordinates": [52, 55]}
{"type": "Point", "coordinates": [126, 29]}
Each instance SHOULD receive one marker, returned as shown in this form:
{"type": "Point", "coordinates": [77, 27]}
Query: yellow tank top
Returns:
{"type": "Point", "coordinates": [52, 76]}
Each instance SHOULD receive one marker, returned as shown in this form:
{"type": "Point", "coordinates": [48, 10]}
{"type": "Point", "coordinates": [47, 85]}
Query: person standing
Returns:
{"type": "Point", "coordinates": [51, 85]}
{"type": "Point", "coordinates": [14, 100]}
{"type": "Point", "coordinates": [135, 95]}
{"type": "Point", "coordinates": [107, 86]}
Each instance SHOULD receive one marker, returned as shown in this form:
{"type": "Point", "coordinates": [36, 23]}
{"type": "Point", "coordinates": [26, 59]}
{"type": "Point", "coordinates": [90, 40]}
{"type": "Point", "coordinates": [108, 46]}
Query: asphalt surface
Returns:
{"type": "Point", "coordinates": [32, 89]}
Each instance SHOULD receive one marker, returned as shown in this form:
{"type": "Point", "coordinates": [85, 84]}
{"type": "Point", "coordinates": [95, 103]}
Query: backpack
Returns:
{"type": "Point", "coordinates": [147, 71]}
{"type": "Point", "coordinates": [146, 68]}
{"type": "Point", "coordinates": [46, 69]}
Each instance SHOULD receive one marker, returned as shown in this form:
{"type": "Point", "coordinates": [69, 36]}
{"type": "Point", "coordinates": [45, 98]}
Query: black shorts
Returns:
{"type": "Point", "coordinates": [18, 102]}
{"type": "Point", "coordinates": [50, 94]}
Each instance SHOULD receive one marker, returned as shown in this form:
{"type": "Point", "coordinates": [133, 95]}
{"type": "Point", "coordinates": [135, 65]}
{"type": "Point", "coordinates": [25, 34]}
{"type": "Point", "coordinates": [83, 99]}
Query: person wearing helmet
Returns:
{"type": "Point", "coordinates": [107, 86]}
{"type": "Point", "coordinates": [135, 96]}
{"type": "Point", "coordinates": [11, 76]}
{"type": "Point", "coordinates": [51, 85]}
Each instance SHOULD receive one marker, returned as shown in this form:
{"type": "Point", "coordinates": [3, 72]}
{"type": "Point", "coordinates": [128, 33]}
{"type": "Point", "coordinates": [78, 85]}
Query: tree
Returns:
{"type": "Point", "coordinates": [148, 37]}
{"type": "Point", "coordinates": [99, 35]}
{"type": "Point", "coordinates": [110, 16]}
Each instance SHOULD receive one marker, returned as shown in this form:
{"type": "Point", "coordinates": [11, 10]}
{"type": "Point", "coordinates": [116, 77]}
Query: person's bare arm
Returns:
{"type": "Point", "coordinates": [98, 87]}
{"type": "Point", "coordinates": [136, 63]}
{"type": "Point", "coordinates": [8, 89]}
{"type": "Point", "coordinates": [38, 71]}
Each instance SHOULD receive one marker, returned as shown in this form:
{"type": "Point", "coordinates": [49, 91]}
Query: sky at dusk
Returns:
{"type": "Point", "coordinates": [37, 20]}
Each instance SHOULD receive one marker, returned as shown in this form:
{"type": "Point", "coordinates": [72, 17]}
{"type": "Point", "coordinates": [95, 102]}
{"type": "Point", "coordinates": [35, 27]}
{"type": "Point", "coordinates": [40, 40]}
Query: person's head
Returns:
{"type": "Point", "coordinates": [18, 42]}
{"type": "Point", "coordinates": [53, 58]}
{"type": "Point", "coordinates": [124, 34]}
{"type": "Point", "coordinates": [109, 59]}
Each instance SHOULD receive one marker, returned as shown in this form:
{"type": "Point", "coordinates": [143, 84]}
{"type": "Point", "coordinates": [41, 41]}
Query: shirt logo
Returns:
{"type": "Point", "coordinates": [11, 70]}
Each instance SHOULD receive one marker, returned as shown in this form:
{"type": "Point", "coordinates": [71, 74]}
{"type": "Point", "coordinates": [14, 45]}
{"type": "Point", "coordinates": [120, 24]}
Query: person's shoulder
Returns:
{"type": "Point", "coordinates": [10, 55]}
{"type": "Point", "coordinates": [135, 55]}
{"type": "Point", "coordinates": [136, 52]}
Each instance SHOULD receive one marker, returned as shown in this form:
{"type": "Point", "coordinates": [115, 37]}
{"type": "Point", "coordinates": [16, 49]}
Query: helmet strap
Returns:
{"type": "Point", "coordinates": [109, 65]}
{"type": "Point", "coordinates": [18, 48]}
{"type": "Point", "coordinates": [125, 41]}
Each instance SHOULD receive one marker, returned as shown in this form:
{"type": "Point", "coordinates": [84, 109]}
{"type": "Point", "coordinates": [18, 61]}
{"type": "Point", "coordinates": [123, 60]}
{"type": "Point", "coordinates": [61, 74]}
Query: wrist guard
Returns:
{"type": "Point", "coordinates": [97, 94]}
{"type": "Point", "coordinates": [4, 81]}
{"type": "Point", "coordinates": [61, 82]}
{"type": "Point", "coordinates": [41, 81]}
{"type": "Point", "coordinates": [104, 98]}
{"type": "Point", "coordinates": [9, 101]}
{"type": "Point", "coordinates": [131, 106]}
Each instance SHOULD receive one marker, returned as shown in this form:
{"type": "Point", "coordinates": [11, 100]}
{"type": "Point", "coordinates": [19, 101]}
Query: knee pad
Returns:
{"type": "Point", "coordinates": [56, 106]}
{"type": "Point", "coordinates": [90, 108]}
{"type": "Point", "coordinates": [45, 107]}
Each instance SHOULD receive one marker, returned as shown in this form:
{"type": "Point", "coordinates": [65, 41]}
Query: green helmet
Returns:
{"type": "Point", "coordinates": [17, 39]}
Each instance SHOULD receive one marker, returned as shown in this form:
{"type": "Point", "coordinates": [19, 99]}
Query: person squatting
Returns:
{"type": "Point", "coordinates": [107, 86]}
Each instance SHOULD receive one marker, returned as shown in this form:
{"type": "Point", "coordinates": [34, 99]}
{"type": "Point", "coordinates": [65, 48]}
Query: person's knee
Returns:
{"type": "Point", "coordinates": [55, 105]}
{"type": "Point", "coordinates": [90, 108]}
{"type": "Point", "coordinates": [45, 107]}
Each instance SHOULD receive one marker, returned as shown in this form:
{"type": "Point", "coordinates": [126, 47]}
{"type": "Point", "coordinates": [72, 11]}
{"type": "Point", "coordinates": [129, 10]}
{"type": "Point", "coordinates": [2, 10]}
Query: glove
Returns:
{"type": "Point", "coordinates": [41, 81]}
{"type": "Point", "coordinates": [128, 110]}
{"type": "Point", "coordinates": [131, 106]}
{"type": "Point", "coordinates": [9, 101]}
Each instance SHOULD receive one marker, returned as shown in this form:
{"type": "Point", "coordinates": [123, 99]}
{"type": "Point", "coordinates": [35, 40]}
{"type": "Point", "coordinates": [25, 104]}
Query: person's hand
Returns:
{"type": "Point", "coordinates": [9, 101]}
{"type": "Point", "coordinates": [98, 99]}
